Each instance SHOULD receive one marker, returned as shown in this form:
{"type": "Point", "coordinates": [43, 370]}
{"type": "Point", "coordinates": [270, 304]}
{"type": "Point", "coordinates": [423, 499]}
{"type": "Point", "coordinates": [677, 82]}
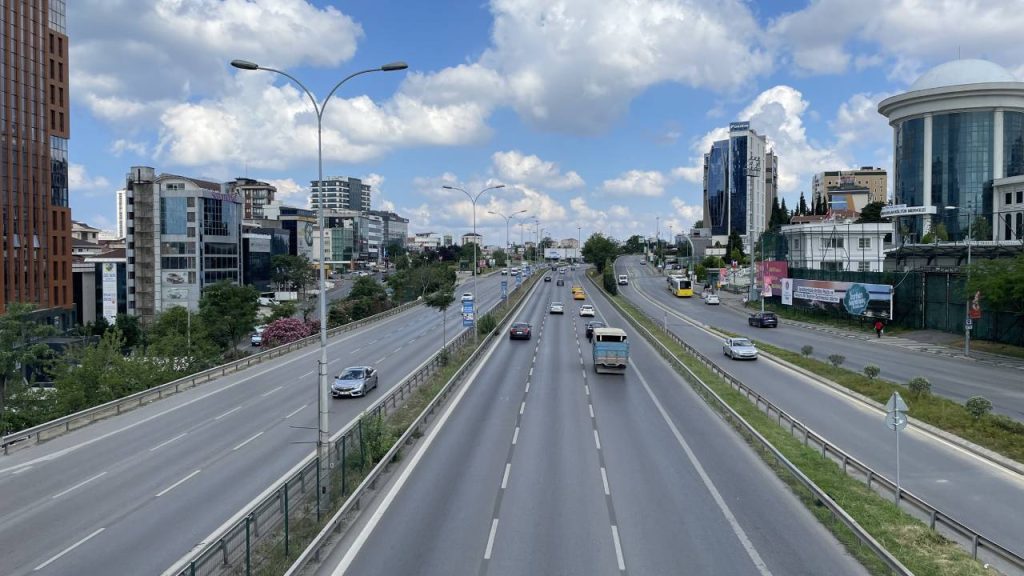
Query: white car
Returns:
{"type": "Point", "coordinates": [557, 308]}
{"type": "Point", "coordinates": [467, 296]}
{"type": "Point", "coordinates": [712, 299]}
{"type": "Point", "coordinates": [623, 280]}
{"type": "Point", "coordinates": [587, 310]}
{"type": "Point", "coordinates": [739, 349]}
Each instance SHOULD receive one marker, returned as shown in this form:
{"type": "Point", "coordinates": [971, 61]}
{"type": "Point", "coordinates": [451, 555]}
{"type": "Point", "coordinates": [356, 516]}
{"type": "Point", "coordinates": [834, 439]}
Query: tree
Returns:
{"type": "Point", "coordinates": [131, 330]}
{"type": "Point", "coordinates": [292, 273]}
{"type": "Point", "coordinates": [734, 247]}
{"type": "Point", "coordinates": [175, 336]}
{"type": "Point", "coordinates": [608, 278]}
{"type": "Point", "coordinates": [20, 346]}
{"type": "Point", "coordinates": [500, 258]}
{"type": "Point", "coordinates": [981, 229]}
{"type": "Point", "coordinates": [633, 245]}
{"type": "Point", "coordinates": [1000, 282]}
{"type": "Point", "coordinates": [775, 219]}
{"type": "Point", "coordinates": [872, 212]}
{"type": "Point", "coordinates": [784, 212]}
{"type": "Point", "coordinates": [802, 207]}
{"type": "Point", "coordinates": [698, 224]}
{"type": "Point", "coordinates": [441, 300]}
{"type": "Point", "coordinates": [367, 298]}
{"type": "Point", "coordinates": [283, 309]}
{"type": "Point", "coordinates": [228, 311]}
{"type": "Point", "coordinates": [599, 250]}
{"type": "Point", "coordinates": [938, 233]}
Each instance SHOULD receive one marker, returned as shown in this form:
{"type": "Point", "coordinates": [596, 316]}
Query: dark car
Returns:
{"type": "Point", "coordinates": [519, 331]}
{"type": "Point", "coordinates": [547, 278]}
{"type": "Point", "coordinates": [764, 320]}
{"type": "Point", "coordinates": [560, 282]}
{"type": "Point", "coordinates": [594, 324]}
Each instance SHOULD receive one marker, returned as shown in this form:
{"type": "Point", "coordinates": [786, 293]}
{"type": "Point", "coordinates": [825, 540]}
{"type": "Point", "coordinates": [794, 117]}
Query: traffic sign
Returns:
{"type": "Point", "coordinates": [896, 420]}
{"type": "Point", "coordinates": [896, 403]}
{"type": "Point", "coordinates": [969, 324]}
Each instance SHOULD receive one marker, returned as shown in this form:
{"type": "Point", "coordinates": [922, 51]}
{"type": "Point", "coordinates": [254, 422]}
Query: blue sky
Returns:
{"type": "Point", "coordinates": [592, 113]}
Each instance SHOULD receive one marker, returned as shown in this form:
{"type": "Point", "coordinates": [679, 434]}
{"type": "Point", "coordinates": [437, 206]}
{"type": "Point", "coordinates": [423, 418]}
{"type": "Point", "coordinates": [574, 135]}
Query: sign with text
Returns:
{"type": "Point", "coordinates": [109, 288]}
{"type": "Point", "coordinates": [854, 298]}
{"type": "Point", "coordinates": [904, 210]}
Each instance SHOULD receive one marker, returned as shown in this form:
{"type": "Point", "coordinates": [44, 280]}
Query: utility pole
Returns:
{"type": "Point", "coordinates": [753, 172]}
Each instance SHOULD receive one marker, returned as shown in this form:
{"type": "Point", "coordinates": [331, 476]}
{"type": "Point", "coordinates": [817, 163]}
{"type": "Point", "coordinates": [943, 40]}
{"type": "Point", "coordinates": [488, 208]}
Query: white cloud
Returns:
{"type": "Point", "coordinates": [636, 183]}
{"type": "Point", "coordinates": [290, 192]}
{"type": "Point", "coordinates": [81, 182]}
{"type": "Point", "coordinates": [516, 167]}
{"type": "Point", "coordinates": [687, 214]}
{"type": "Point", "coordinates": [121, 145]}
{"type": "Point", "coordinates": [858, 122]}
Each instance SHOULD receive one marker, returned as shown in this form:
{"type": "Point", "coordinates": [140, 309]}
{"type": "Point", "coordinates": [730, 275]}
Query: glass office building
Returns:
{"type": "Point", "coordinates": [740, 179]}
{"type": "Point", "coordinates": [958, 129]}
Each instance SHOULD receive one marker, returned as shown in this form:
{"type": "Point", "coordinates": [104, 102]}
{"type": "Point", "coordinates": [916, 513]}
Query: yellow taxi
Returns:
{"type": "Point", "coordinates": [579, 294]}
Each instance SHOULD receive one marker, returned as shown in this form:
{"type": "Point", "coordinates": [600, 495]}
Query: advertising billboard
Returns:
{"type": "Point", "coordinates": [854, 298]}
{"type": "Point", "coordinates": [108, 285]}
{"type": "Point", "coordinates": [774, 271]}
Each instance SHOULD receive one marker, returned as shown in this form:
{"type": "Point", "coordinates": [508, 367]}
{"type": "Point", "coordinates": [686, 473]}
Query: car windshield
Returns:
{"type": "Point", "coordinates": [352, 374]}
{"type": "Point", "coordinates": [520, 325]}
{"type": "Point", "coordinates": [556, 303]}
{"type": "Point", "coordinates": [742, 342]}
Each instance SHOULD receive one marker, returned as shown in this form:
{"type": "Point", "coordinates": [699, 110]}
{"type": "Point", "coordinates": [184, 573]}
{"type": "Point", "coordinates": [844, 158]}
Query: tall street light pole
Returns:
{"type": "Point", "coordinates": [323, 432]}
{"type": "Point", "coordinates": [521, 225]}
{"type": "Point", "coordinates": [476, 240]}
{"type": "Point", "coordinates": [967, 304]}
{"type": "Point", "coordinates": [508, 219]}
{"type": "Point", "coordinates": [579, 244]}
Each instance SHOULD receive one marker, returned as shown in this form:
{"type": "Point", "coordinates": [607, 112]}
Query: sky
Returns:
{"type": "Point", "coordinates": [593, 114]}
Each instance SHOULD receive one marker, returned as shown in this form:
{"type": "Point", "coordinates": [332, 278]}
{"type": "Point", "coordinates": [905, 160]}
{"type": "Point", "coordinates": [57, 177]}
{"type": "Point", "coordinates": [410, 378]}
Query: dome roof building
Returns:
{"type": "Point", "coordinates": [959, 128]}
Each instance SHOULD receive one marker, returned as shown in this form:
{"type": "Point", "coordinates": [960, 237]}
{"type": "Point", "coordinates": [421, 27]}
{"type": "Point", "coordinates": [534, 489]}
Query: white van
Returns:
{"type": "Point", "coordinates": [623, 279]}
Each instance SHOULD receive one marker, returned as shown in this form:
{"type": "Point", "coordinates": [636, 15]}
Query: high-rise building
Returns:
{"type": "Point", "coordinates": [254, 194]}
{"type": "Point", "coordinates": [34, 133]}
{"type": "Point", "coordinates": [340, 193]}
{"type": "Point", "coordinates": [184, 234]}
{"type": "Point", "coordinates": [122, 213]}
{"type": "Point", "coordinates": [740, 181]}
{"type": "Point", "coordinates": [874, 179]}
{"type": "Point", "coordinates": [396, 228]}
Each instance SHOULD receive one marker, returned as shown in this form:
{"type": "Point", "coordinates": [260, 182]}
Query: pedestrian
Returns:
{"type": "Point", "coordinates": [879, 326]}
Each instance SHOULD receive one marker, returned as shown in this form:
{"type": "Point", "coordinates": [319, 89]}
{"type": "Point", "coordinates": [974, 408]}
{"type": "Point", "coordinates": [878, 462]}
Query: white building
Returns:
{"type": "Point", "coordinates": [838, 245]}
{"type": "Point", "coordinates": [423, 240]}
{"type": "Point", "coordinates": [471, 237]}
{"type": "Point", "coordinates": [122, 213]}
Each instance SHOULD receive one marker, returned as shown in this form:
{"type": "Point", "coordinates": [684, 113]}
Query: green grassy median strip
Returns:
{"type": "Point", "coordinates": [919, 548]}
{"type": "Point", "coordinates": [993, 431]}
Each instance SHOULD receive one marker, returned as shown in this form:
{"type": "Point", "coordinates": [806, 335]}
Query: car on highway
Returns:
{"type": "Point", "coordinates": [504, 271]}
{"type": "Point", "coordinates": [623, 280]}
{"type": "Point", "coordinates": [739, 349]}
{"type": "Point", "coordinates": [560, 282]}
{"type": "Point", "coordinates": [763, 320]}
{"type": "Point", "coordinates": [587, 310]}
{"type": "Point", "coordinates": [467, 296]}
{"type": "Point", "coordinates": [354, 381]}
{"type": "Point", "coordinates": [547, 278]}
{"type": "Point", "coordinates": [579, 294]}
{"type": "Point", "coordinates": [257, 336]}
{"type": "Point", "coordinates": [591, 325]}
{"type": "Point", "coordinates": [712, 299]}
{"type": "Point", "coordinates": [557, 308]}
{"type": "Point", "coordinates": [519, 331]}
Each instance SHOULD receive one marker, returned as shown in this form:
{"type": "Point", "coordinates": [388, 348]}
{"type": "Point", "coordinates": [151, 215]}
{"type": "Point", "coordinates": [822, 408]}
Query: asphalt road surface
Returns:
{"type": "Point", "coordinates": [544, 467]}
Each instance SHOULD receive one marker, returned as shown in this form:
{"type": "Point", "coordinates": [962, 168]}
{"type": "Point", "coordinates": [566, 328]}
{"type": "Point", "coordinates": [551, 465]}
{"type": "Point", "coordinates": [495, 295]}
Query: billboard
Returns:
{"type": "Point", "coordinates": [854, 298]}
{"type": "Point", "coordinates": [108, 285]}
{"type": "Point", "coordinates": [904, 210]}
{"type": "Point", "coordinates": [774, 271]}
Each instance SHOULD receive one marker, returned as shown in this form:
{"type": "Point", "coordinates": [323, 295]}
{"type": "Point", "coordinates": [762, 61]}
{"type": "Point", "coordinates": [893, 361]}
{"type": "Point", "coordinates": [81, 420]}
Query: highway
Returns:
{"type": "Point", "coordinates": [960, 484]}
{"type": "Point", "coordinates": [132, 494]}
{"type": "Point", "coordinates": [541, 466]}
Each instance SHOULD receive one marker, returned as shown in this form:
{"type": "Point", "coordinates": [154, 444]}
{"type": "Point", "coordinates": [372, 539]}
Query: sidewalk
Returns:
{"type": "Point", "coordinates": [927, 341]}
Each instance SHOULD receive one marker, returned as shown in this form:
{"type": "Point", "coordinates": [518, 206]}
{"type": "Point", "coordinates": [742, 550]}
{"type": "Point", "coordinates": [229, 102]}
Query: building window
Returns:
{"type": "Point", "coordinates": [831, 243]}
{"type": "Point", "coordinates": [172, 215]}
{"type": "Point", "coordinates": [864, 266]}
{"type": "Point", "coordinates": [191, 202]}
{"type": "Point", "coordinates": [1020, 197]}
{"type": "Point", "coordinates": [863, 243]}
{"type": "Point", "coordinates": [1008, 199]}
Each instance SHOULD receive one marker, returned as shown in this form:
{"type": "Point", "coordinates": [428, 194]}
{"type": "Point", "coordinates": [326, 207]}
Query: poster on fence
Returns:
{"type": "Point", "coordinates": [853, 298]}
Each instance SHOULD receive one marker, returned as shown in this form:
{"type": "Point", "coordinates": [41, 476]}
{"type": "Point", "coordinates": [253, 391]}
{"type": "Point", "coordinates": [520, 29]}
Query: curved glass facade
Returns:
{"type": "Point", "coordinates": [909, 178]}
{"type": "Point", "coordinates": [738, 187]}
{"type": "Point", "coordinates": [962, 159]}
{"type": "Point", "coordinates": [1013, 143]}
{"type": "Point", "coordinates": [718, 203]}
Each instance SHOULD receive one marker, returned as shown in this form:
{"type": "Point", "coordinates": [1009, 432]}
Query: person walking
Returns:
{"type": "Point", "coordinates": [879, 326]}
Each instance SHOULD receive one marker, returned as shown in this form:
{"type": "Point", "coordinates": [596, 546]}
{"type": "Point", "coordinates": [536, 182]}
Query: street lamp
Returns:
{"type": "Point", "coordinates": [507, 220]}
{"type": "Point", "coordinates": [476, 239]}
{"type": "Point", "coordinates": [323, 435]}
{"type": "Point", "coordinates": [521, 225]}
{"type": "Point", "coordinates": [967, 304]}
{"type": "Point", "coordinates": [579, 244]}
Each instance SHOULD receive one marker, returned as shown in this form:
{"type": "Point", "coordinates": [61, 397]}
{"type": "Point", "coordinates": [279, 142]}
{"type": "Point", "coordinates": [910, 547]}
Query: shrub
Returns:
{"type": "Point", "coordinates": [486, 324]}
{"type": "Point", "coordinates": [978, 406]}
{"type": "Point", "coordinates": [872, 371]}
{"type": "Point", "coordinates": [837, 360]}
{"type": "Point", "coordinates": [284, 331]}
{"type": "Point", "coordinates": [920, 386]}
{"type": "Point", "coordinates": [807, 350]}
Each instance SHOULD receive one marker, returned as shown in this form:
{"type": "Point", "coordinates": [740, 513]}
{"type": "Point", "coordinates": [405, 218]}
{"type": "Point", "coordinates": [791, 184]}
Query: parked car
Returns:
{"type": "Point", "coordinates": [256, 339]}
{"type": "Point", "coordinates": [519, 331]}
{"type": "Point", "coordinates": [557, 308]}
{"type": "Point", "coordinates": [739, 349]}
{"type": "Point", "coordinates": [712, 299]}
{"type": "Point", "coordinates": [587, 310]}
{"type": "Point", "coordinates": [763, 320]}
{"type": "Point", "coordinates": [590, 327]}
{"type": "Point", "coordinates": [547, 278]}
{"type": "Point", "coordinates": [354, 381]}
{"type": "Point", "coordinates": [467, 296]}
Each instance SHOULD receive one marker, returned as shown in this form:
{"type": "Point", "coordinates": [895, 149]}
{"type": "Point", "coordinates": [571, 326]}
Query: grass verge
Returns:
{"type": "Point", "coordinates": [992, 431]}
{"type": "Point", "coordinates": [919, 548]}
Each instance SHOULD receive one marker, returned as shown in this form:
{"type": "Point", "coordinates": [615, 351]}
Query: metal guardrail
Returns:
{"type": "Point", "coordinates": [293, 504]}
{"type": "Point", "coordinates": [65, 424]}
{"type": "Point", "coordinates": [980, 547]}
{"type": "Point", "coordinates": [820, 495]}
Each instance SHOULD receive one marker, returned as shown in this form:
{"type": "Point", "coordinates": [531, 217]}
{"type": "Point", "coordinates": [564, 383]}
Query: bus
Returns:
{"type": "Point", "coordinates": [681, 287]}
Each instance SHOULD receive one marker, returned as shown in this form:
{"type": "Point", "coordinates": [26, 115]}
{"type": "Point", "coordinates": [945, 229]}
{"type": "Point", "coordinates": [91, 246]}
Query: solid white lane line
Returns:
{"type": "Point", "coordinates": [20, 470]}
{"type": "Point", "coordinates": [515, 436]}
{"type": "Point", "coordinates": [79, 485]}
{"type": "Point", "coordinates": [604, 480]}
{"type": "Point", "coordinates": [504, 479]}
{"type": "Point", "coordinates": [522, 408]}
{"type": "Point", "coordinates": [741, 535]}
{"type": "Point", "coordinates": [68, 549]}
{"type": "Point", "coordinates": [490, 540]}
{"type": "Point", "coordinates": [271, 391]}
{"type": "Point", "coordinates": [166, 442]}
{"type": "Point", "coordinates": [176, 484]}
{"type": "Point", "coordinates": [381, 359]}
{"type": "Point", "coordinates": [591, 406]}
{"type": "Point", "coordinates": [618, 548]}
{"type": "Point", "coordinates": [235, 409]}
{"type": "Point", "coordinates": [597, 440]}
{"type": "Point", "coordinates": [294, 412]}
{"type": "Point", "coordinates": [257, 435]}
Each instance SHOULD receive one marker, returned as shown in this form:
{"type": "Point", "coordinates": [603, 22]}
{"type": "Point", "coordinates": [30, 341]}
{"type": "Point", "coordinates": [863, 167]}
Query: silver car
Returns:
{"type": "Point", "coordinates": [739, 349]}
{"type": "Point", "coordinates": [557, 308]}
{"type": "Point", "coordinates": [354, 381]}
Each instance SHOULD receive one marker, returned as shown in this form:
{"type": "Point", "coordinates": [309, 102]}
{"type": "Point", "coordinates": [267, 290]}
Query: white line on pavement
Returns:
{"type": "Point", "coordinates": [522, 408]}
{"type": "Point", "coordinates": [20, 470]}
{"type": "Point", "coordinates": [166, 442]}
{"type": "Point", "coordinates": [235, 409]}
{"type": "Point", "coordinates": [68, 549]}
{"type": "Point", "coordinates": [176, 484]}
{"type": "Point", "coordinates": [255, 436]}
{"type": "Point", "coordinates": [604, 480]}
{"type": "Point", "coordinates": [527, 385]}
{"type": "Point", "coordinates": [597, 440]}
{"type": "Point", "coordinates": [591, 406]}
{"type": "Point", "coordinates": [79, 485]}
{"type": "Point", "coordinates": [271, 391]}
{"type": "Point", "coordinates": [294, 412]}
{"type": "Point", "coordinates": [504, 479]}
{"type": "Point", "coordinates": [515, 436]}
{"type": "Point", "coordinates": [490, 540]}
{"type": "Point", "coordinates": [618, 548]}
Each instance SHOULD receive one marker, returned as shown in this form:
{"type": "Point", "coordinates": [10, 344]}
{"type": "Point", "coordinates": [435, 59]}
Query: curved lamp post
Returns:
{"type": "Point", "coordinates": [508, 219]}
{"type": "Point", "coordinates": [476, 239]}
{"type": "Point", "coordinates": [323, 434]}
